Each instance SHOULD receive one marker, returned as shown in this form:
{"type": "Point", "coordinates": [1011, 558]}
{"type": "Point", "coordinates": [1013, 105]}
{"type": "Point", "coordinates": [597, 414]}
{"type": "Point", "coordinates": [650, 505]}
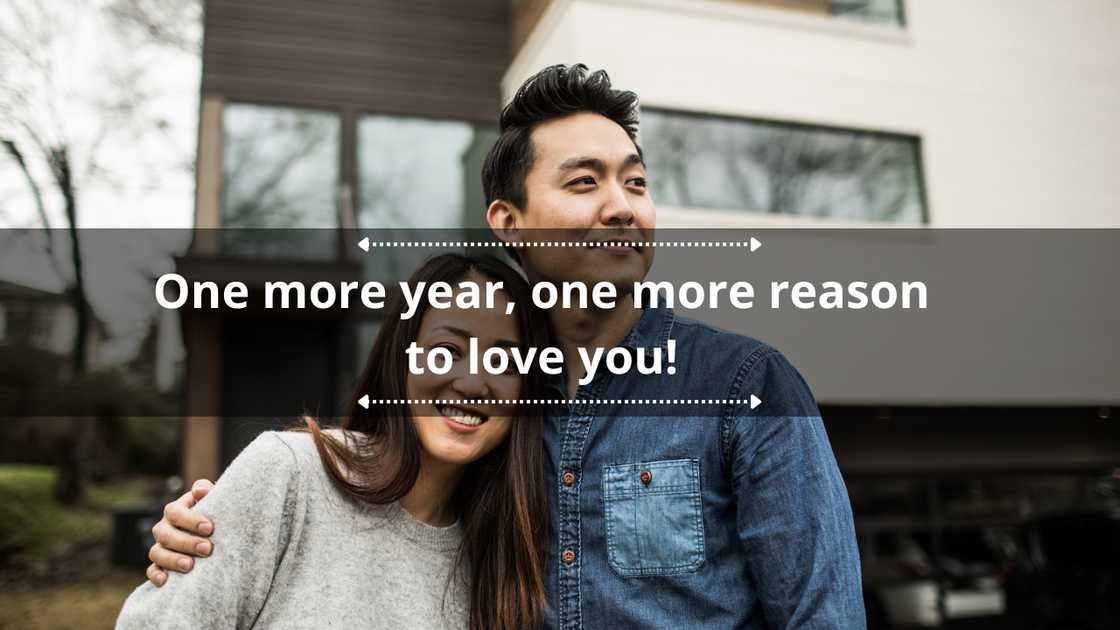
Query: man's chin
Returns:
{"type": "Point", "coordinates": [622, 279]}
{"type": "Point", "coordinates": [622, 273]}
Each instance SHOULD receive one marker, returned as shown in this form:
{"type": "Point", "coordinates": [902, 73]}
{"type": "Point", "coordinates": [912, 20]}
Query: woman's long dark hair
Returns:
{"type": "Point", "coordinates": [500, 499]}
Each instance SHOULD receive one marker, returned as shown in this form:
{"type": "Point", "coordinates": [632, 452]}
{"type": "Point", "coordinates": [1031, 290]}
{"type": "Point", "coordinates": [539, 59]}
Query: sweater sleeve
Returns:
{"type": "Point", "coordinates": [257, 508]}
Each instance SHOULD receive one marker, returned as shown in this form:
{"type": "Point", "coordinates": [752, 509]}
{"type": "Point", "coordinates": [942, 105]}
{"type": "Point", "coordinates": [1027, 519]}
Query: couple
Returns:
{"type": "Point", "coordinates": [448, 517]}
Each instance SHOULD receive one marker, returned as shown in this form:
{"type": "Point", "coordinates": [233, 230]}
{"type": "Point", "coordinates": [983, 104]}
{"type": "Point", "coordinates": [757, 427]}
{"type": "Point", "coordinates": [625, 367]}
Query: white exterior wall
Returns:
{"type": "Point", "coordinates": [1017, 102]}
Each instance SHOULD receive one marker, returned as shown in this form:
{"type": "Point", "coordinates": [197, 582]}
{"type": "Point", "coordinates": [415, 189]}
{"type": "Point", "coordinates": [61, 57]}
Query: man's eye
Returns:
{"type": "Point", "coordinates": [582, 181]}
{"type": "Point", "coordinates": [640, 182]}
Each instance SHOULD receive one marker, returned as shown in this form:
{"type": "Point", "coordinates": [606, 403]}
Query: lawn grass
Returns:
{"type": "Point", "coordinates": [54, 560]}
{"type": "Point", "coordinates": [34, 528]}
{"type": "Point", "coordinates": [90, 604]}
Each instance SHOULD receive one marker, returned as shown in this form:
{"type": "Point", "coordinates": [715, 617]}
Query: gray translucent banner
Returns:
{"type": "Point", "coordinates": [1012, 317]}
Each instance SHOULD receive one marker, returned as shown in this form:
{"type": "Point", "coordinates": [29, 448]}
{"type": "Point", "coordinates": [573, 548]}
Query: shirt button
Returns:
{"type": "Point", "coordinates": [568, 556]}
{"type": "Point", "coordinates": [568, 478]}
{"type": "Point", "coordinates": [646, 477]}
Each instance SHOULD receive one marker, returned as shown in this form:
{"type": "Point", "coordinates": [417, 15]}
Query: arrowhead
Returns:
{"type": "Point", "coordinates": [755, 401]}
{"type": "Point", "coordinates": [364, 244]}
{"type": "Point", "coordinates": [364, 401]}
{"type": "Point", "coordinates": [755, 243]}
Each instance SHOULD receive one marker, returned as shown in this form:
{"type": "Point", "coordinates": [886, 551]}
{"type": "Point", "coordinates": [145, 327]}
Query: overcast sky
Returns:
{"type": "Point", "coordinates": [67, 67]}
{"type": "Point", "coordinates": [144, 163]}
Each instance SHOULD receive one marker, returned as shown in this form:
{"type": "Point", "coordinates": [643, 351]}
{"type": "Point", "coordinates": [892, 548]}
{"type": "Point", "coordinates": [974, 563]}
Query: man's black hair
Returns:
{"type": "Point", "coordinates": [554, 92]}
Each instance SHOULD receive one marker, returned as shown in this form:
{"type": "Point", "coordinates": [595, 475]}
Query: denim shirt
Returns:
{"type": "Point", "coordinates": [705, 514]}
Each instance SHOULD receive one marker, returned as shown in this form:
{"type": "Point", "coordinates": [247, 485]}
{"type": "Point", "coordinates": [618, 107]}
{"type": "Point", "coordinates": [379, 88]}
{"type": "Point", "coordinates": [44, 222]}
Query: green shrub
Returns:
{"type": "Point", "coordinates": [34, 527]}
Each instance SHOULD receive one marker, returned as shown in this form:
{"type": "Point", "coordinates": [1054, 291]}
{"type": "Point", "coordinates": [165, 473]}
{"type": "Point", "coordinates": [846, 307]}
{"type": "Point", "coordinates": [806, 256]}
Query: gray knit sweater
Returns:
{"type": "Point", "coordinates": [292, 551]}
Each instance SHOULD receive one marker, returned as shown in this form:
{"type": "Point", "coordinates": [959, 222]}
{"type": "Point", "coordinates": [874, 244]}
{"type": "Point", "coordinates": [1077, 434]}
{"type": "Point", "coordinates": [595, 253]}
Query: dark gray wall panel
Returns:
{"type": "Point", "coordinates": [441, 59]}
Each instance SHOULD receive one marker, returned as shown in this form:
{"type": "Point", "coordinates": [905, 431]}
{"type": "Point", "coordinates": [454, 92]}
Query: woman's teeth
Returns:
{"type": "Point", "coordinates": [462, 417]}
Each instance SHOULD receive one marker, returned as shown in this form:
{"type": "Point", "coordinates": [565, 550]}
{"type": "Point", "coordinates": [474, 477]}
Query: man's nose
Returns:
{"type": "Point", "coordinates": [616, 209]}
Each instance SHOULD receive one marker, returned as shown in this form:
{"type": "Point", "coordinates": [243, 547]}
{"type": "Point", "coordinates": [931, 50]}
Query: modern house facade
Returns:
{"type": "Point", "coordinates": [755, 114]}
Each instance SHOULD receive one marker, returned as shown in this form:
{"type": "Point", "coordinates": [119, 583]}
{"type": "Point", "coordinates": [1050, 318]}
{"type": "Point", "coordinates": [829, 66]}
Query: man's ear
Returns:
{"type": "Point", "coordinates": [503, 218]}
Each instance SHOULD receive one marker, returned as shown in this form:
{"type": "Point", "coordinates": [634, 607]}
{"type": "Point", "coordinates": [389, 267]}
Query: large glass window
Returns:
{"type": "Point", "coordinates": [998, 542]}
{"type": "Point", "coordinates": [888, 12]}
{"type": "Point", "coordinates": [716, 162]}
{"type": "Point", "coordinates": [279, 167]}
{"type": "Point", "coordinates": [879, 11]}
{"type": "Point", "coordinates": [420, 173]}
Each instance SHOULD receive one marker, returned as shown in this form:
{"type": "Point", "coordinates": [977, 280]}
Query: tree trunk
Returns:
{"type": "Point", "coordinates": [70, 488]}
{"type": "Point", "coordinates": [60, 166]}
{"type": "Point", "coordinates": [37, 197]}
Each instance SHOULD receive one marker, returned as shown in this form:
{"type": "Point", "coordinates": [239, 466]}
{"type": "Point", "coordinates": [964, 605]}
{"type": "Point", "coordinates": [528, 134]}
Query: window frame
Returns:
{"type": "Point", "coordinates": [919, 160]}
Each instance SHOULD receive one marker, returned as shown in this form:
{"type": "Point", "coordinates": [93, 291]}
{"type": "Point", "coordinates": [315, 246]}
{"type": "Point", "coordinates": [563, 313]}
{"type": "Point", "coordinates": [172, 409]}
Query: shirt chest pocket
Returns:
{"type": "Point", "coordinates": [654, 517]}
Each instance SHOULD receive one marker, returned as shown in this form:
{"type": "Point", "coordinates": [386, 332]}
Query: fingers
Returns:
{"type": "Point", "coordinates": [155, 575]}
{"type": "Point", "coordinates": [179, 535]}
{"type": "Point", "coordinates": [174, 539]}
{"type": "Point", "coordinates": [169, 560]}
{"type": "Point", "coordinates": [180, 516]}
{"type": "Point", "coordinates": [201, 488]}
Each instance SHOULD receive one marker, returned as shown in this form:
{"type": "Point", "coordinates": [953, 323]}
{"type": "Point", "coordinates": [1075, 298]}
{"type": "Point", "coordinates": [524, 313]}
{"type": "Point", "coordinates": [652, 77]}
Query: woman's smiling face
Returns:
{"type": "Point", "coordinates": [460, 433]}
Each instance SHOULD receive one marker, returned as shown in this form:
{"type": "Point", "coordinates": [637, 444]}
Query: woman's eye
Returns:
{"type": "Point", "coordinates": [455, 352]}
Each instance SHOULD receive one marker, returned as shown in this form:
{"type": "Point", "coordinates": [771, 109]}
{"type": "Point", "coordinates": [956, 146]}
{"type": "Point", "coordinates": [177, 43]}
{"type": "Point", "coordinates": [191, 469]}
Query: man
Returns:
{"type": "Point", "coordinates": [701, 516]}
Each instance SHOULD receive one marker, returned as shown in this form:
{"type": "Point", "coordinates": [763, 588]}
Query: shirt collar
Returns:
{"type": "Point", "coordinates": [653, 329]}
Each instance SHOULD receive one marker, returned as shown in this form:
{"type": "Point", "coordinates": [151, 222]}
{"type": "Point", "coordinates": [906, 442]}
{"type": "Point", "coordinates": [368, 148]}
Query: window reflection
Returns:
{"type": "Point", "coordinates": [415, 174]}
{"type": "Point", "coordinates": [991, 547]}
{"type": "Point", "coordinates": [279, 170]}
{"type": "Point", "coordinates": [735, 164]}
{"type": "Point", "coordinates": [420, 173]}
{"type": "Point", "coordinates": [879, 11]}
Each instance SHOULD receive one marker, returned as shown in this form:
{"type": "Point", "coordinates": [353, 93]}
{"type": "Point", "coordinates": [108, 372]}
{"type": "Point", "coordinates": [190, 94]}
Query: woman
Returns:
{"type": "Point", "coordinates": [425, 515]}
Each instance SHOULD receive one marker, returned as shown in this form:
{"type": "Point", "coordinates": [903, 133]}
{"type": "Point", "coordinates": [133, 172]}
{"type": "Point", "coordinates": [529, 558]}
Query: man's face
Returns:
{"type": "Point", "coordinates": [588, 181]}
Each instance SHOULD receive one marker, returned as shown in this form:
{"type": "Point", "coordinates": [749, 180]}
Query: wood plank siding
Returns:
{"type": "Point", "coordinates": [526, 14]}
{"type": "Point", "coordinates": [412, 57]}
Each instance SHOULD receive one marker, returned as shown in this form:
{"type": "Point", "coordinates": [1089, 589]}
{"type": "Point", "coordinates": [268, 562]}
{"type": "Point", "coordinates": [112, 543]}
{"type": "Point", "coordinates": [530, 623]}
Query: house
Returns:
{"type": "Point", "coordinates": [45, 320]}
{"type": "Point", "coordinates": [923, 113]}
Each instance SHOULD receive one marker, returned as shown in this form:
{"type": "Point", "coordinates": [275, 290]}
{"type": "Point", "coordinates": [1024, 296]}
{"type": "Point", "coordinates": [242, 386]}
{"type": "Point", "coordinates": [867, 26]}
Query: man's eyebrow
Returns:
{"type": "Point", "coordinates": [591, 163]}
{"type": "Point", "coordinates": [597, 165]}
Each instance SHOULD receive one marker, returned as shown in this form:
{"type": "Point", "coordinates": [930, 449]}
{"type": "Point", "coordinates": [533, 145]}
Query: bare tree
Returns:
{"type": "Point", "coordinates": [162, 21]}
{"type": "Point", "coordinates": [27, 109]}
{"type": "Point", "coordinates": [262, 158]}
{"type": "Point", "coordinates": [73, 83]}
